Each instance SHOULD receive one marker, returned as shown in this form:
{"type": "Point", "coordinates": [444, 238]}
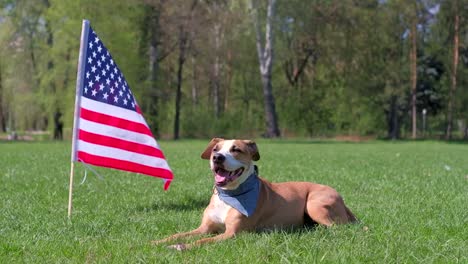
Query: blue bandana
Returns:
{"type": "Point", "coordinates": [244, 198]}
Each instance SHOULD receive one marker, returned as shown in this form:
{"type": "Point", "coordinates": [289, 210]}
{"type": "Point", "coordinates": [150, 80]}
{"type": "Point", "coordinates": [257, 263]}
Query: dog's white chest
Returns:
{"type": "Point", "coordinates": [219, 211]}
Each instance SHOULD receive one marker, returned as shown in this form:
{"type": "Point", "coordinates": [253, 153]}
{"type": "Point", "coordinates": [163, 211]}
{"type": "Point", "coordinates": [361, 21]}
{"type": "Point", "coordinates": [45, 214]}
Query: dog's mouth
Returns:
{"type": "Point", "coordinates": [223, 177]}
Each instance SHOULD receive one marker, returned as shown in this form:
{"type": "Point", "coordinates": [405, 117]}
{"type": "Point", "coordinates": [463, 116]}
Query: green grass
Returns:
{"type": "Point", "coordinates": [412, 197]}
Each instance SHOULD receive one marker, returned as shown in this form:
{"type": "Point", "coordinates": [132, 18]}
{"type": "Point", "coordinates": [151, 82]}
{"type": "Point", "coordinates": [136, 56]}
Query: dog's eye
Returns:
{"type": "Point", "coordinates": [235, 149]}
{"type": "Point", "coordinates": [215, 149]}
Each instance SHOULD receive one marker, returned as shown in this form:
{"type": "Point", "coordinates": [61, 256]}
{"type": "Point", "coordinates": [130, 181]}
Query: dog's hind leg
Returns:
{"type": "Point", "coordinates": [328, 212]}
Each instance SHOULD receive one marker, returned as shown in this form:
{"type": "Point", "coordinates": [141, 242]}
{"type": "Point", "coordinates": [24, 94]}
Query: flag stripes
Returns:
{"type": "Point", "coordinates": [125, 165]}
{"type": "Point", "coordinates": [117, 133]}
{"type": "Point", "coordinates": [115, 121]}
{"type": "Point", "coordinates": [123, 144]}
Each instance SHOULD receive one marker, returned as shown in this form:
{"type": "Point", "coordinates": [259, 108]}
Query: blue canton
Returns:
{"type": "Point", "coordinates": [245, 197]}
{"type": "Point", "coordinates": [104, 82]}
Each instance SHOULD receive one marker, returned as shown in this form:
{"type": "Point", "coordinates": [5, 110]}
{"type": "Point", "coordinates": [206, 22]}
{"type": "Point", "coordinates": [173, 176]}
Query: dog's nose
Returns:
{"type": "Point", "coordinates": [218, 158]}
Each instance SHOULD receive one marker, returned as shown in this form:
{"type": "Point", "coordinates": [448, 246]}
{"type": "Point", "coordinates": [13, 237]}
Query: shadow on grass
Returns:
{"type": "Point", "coordinates": [186, 204]}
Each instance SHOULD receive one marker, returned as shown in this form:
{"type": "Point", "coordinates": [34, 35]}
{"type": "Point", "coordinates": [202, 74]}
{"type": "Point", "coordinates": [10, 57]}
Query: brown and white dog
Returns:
{"type": "Point", "coordinates": [278, 205]}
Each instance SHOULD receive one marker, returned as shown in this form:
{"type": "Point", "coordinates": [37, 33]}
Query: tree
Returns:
{"type": "Point", "coordinates": [150, 48]}
{"type": "Point", "coordinates": [183, 41]}
{"type": "Point", "coordinates": [453, 72]}
{"type": "Point", "coordinates": [265, 58]}
{"type": "Point", "coordinates": [413, 35]}
{"type": "Point", "coordinates": [2, 116]}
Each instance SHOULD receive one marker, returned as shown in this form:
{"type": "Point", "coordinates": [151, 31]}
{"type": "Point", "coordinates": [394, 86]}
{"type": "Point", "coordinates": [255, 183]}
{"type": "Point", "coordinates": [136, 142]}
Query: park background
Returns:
{"type": "Point", "coordinates": [345, 68]}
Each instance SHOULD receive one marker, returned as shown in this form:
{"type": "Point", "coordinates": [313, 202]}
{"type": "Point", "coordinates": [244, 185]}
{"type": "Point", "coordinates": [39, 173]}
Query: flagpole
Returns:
{"type": "Point", "coordinates": [76, 119]}
{"type": "Point", "coordinates": [70, 192]}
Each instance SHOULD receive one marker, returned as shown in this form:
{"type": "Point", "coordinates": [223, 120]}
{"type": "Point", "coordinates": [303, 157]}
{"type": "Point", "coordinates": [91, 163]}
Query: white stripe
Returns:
{"type": "Point", "coordinates": [112, 110]}
{"type": "Point", "coordinates": [120, 154]}
{"type": "Point", "coordinates": [119, 133]}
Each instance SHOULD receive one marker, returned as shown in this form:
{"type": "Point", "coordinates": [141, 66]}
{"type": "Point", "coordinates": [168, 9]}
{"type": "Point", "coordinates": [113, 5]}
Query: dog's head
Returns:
{"type": "Point", "coordinates": [231, 161]}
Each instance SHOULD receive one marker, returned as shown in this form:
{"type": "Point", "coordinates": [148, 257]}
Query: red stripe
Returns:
{"type": "Point", "coordinates": [138, 110]}
{"type": "Point", "coordinates": [124, 165]}
{"type": "Point", "coordinates": [119, 143]}
{"type": "Point", "coordinates": [115, 121]}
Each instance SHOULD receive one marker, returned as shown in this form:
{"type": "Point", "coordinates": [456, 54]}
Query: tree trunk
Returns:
{"type": "Point", "coordinates": [152, 26]}
{"type": "Point", "coordinates": [453, 75]}
{"type": "Point", "coordinates": [393, 119]}
{"type": "Point", "coordinates": [2, 116]}
{"type": "Point", "coordinates": [465, 133]}
{"type": "Point", "coordinates": [183, 46]}
{"type": "Point", "coordinates": [414, 76]}
{"type": "Point", "coordinates": [181, 61]}
{"type": "Point", "coordinates": [194, 82]}
{"type": "Point", "coordinates": [57, 115]}
{"type": "Point", "coordinates": [265, 57]}
{"type": "Point", "coordinates": [216, 70]}
{"type": "Point", "coordinates": [228, 78]}
{"type": "Point", "coordinates": [216, 8]}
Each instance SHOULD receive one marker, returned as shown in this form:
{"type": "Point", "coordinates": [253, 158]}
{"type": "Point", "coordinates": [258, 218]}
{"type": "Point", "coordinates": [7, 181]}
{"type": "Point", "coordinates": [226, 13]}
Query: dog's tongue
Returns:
{"type": "Point", "coordinates": [220, 179]}
{"type": "Point", "coordinates": [222, 176]}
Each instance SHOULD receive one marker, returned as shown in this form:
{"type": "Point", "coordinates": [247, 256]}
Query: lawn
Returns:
{"type": "Point", "coordinates": [411, 198]}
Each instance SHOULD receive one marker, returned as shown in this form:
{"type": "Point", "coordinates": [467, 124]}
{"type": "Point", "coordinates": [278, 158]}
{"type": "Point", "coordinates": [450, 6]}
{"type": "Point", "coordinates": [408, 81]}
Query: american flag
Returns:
{"type": "Point", "coordinates": [111, 130]}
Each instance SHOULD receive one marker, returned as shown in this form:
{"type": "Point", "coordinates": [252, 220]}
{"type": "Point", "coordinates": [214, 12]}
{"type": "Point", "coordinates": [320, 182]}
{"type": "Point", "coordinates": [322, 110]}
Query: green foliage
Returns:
{"type": "Point", "coordinates": [409, 198]}
{"type": "Point", "coordinates": [340, 67]}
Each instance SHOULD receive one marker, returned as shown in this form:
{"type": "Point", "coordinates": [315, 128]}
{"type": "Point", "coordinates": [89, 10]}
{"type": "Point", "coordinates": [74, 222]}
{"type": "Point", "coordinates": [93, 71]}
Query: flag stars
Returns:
{"type": "Point", "coordinates": [103, 79]}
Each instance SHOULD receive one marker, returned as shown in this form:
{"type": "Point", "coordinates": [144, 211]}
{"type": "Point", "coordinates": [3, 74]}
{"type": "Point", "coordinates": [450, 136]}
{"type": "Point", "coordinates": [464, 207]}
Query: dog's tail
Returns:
{"type": "Point", "coordinates": [351, 217]}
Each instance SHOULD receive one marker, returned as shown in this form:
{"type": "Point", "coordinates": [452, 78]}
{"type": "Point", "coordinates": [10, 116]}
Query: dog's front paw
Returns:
{"type": "Point", "coordinates": [156, 242]}
{"type": "Point", "coordinates": [178, 247]}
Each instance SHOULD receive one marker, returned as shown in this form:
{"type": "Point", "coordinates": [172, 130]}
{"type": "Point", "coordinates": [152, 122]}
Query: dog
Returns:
{"type": "Point", "coordinates": [242, 201]}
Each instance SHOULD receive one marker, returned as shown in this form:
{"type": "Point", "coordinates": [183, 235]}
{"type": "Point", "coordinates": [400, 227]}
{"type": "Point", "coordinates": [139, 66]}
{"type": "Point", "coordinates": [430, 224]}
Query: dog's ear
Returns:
{"type": "Point", "coordinates": [253, 149]}
{"type": "Point", "coordinates": [207, 153]}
